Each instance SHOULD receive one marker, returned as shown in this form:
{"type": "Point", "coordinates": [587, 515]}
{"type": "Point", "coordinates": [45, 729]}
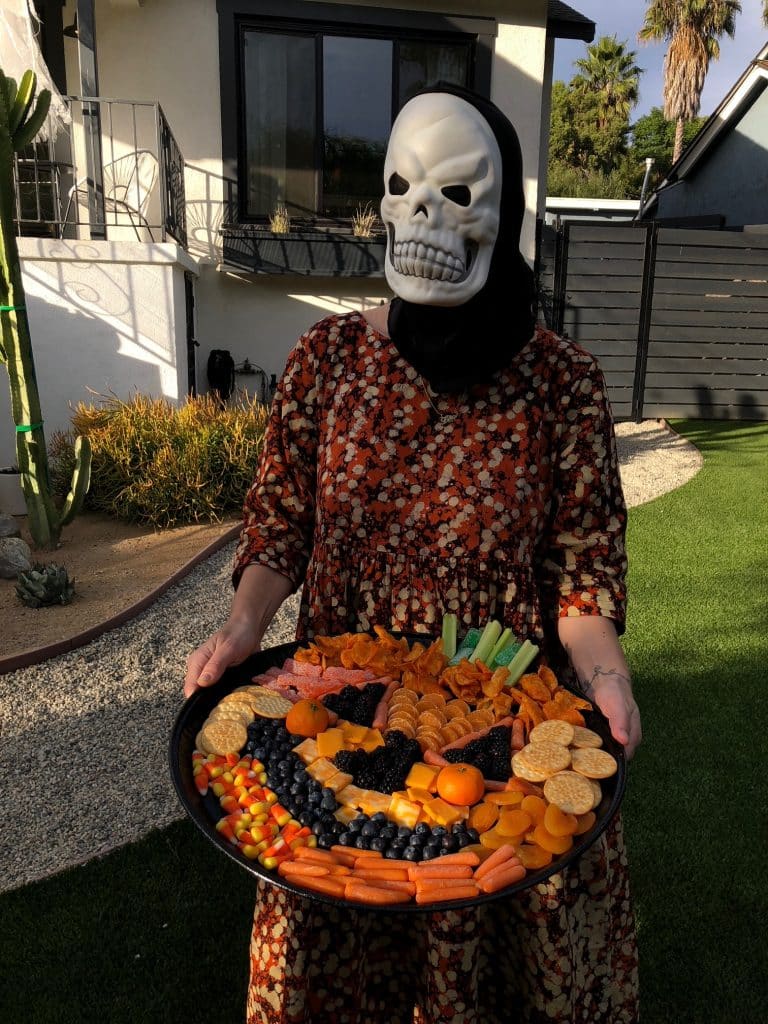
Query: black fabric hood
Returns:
{"type": "Point", "coordinates": [456, 347]}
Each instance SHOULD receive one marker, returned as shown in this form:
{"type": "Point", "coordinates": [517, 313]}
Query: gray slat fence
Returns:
{"type": "Point", "coordinates": [678, 319]}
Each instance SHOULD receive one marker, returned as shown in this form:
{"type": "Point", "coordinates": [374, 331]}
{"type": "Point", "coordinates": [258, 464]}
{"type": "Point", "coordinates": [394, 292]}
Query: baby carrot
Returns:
{"type": "Point", "coordinates": [394, 885]}
{"type": "Point", "coordinates": [363, 854]}
{"type": "Point", "coordinates": [393, 875]}
{"type": "Point", "coordinates": [313, 854]}
{"type": "Point", "coordinates": [444, 884]}
{"type": "Point", "coordinates": [362, 893]}
{"type": "Point", "coordinates": [458, 892]}
{"type": "Point", "coordinates": [434, 870]}
{"type": "Point", "coordinates": [498, 857]}
{"type": "Point", "coordinates": [464, 857]}
{"type": "Point", "coordinates": [329, 886]}
{"type": "Point", "coordinates": [294, 867]}
{"type": "Point", "coordinates": [504, 875]}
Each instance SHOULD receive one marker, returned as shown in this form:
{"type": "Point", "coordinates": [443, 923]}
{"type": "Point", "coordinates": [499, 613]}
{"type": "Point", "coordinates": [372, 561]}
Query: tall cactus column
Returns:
{"type": "Point", "coordinates": [19, 124]}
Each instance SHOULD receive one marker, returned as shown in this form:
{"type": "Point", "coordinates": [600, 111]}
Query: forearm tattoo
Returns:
{"type": "Point", "coordinates": [588, 682]}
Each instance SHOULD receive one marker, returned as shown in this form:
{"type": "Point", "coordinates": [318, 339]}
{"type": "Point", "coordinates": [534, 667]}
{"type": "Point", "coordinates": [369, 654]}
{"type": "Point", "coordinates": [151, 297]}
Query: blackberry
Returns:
{"type": "Point", "coordinates": [356, 704]}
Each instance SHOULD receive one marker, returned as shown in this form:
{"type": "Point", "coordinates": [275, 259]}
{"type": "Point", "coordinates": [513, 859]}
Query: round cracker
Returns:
{"type": "Point", "coordinates": [594, 763]}
{"type": "Point", "coordinates": [597, 791]}
{"type": "Point", "coordinates": [403, 696]}
{"type": "Point", "coordinates": [546, 757]}
{"type": "Point", "coordinates": [552, 731]}
{"type": "Point", "coordinates": [570, 792]}
{"type": "Point", "coordinates": [224, 736]}
{"type": "Point", "coordinates": [523, 771]}
{"type": "Point", "coordinates": [432, 700]}
{"type": "Point", "coordinates": [238, 713]}
{"type": "Point", "coordinates": [585, 737]}
{"type": "Point", "coordinates": [268, 704]}
{"type": "Point", "coordinates": [199, 745]}
{"type": "Point", "coordinates": [432, 718]}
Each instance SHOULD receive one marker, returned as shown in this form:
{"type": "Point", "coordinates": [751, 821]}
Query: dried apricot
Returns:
{"type": "Point", "coordinates": [513, 822]}
{"type": "Point", "coordinates": [483, 816]}
{"type": "Point", "coordinates": [535, 806]}
{"type": "Point", "coordinates": [559, 823]}
{"type": "Point", "coordinates": [532, 856]}
{"type": "Point", "coordinates": [555, 844]}
{"type": "Point", "coordinates": [508, 798]}
{"type": "Point", "coordinates": [584, 822]}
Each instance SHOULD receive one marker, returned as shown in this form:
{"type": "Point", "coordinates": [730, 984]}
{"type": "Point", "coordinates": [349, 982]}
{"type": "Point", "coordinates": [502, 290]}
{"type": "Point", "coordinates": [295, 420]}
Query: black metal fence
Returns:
{"type": "Point", "coordinates": [678, 319]}
{"type": "Point", "coordinates": [115, 171]}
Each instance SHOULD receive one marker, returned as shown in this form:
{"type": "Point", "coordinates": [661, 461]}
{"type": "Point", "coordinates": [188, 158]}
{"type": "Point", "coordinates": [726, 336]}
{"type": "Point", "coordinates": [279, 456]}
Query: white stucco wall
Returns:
{"type": "Point", "coordinates": [104, 316]}
{"type": "Point", "coordinates": [177, 40]}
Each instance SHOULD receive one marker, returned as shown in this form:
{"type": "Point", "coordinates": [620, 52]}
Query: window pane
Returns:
{"type": "Point", "coordinates": [423, 64]}
{"type": "Point", "coordinates": [357, 105]}
{"type": "Point", "coordinates": [279, 95]}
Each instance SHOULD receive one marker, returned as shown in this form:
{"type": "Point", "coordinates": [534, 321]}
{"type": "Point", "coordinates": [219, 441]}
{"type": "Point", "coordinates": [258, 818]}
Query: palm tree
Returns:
{"type": "Point", "coordinates": [609, 73]}
{"type": "Point", "coordinates": [693, 28]}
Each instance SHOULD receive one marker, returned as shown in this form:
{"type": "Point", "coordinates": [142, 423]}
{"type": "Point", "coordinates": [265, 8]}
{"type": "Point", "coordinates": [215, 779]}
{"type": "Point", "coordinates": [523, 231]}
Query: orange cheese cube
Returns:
{"type": "Point", "coordinates": [338, 781]}
{"type": "Point", "coordinates": [323, 770]}
{"type": "Point", "coordinates": [330, 742]}
{"type": "Point", "coordinates": [444, 813]}
{"type": "Point", "coordinates": [404, 812]}
{"type": "Point", "coordinates": [373, 802]}
{"type": "Point", "coordinates": [373, 740]}
{"type": "Point", "coordinates": [423, 776]}
{"type": "Point", "coordinates": [353, 733]}
{"type": "Point", "coordinates": [307, 750]}
{"type": "Point", "coordinates": [419, 796]}
{"type": "Point", "coordinates": [350, 796]}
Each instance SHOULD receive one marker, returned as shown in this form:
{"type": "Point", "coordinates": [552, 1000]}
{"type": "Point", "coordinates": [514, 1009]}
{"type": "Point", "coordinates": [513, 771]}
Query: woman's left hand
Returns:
{"type": "Point", "coordinates": [613, 695]}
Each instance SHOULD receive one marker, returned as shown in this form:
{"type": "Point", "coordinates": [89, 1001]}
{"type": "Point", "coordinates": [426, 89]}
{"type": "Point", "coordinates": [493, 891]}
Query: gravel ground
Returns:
{"type": "Point", "coordinates": [83, 747]}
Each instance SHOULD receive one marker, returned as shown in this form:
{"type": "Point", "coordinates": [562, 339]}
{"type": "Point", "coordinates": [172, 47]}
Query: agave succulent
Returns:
{"type": "Point", "coordinates": [44, 584]}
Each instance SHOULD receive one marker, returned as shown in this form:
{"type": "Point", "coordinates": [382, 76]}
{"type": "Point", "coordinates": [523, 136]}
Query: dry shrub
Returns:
{"type": "Point", "coordinates": [161, 465]}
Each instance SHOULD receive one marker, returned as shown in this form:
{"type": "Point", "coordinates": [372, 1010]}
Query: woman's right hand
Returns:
{"type": "Point", "coordinates": [230, 645]}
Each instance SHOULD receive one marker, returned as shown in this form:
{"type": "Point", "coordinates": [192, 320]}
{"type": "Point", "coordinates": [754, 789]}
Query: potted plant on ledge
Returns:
{"type": "Point", "coordinates": [354, 251]}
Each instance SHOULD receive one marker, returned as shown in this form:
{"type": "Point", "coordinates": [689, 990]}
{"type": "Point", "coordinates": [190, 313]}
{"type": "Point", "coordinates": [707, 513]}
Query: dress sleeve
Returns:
{"type": "Point", "coordinates": [280, 504]}
{"type": "Point", "coordinates": [583, 559]}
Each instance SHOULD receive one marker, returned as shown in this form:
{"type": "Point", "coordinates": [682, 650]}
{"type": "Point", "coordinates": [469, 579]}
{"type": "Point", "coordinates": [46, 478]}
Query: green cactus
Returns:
{"type": "Point", "coordinates": [44, 584]}
{"type": "Point", "coordinates": [20, 120]}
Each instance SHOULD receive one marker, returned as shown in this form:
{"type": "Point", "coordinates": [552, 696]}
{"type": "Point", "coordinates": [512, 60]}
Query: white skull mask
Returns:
{"type": "Point", "coordinates": [442, 181]}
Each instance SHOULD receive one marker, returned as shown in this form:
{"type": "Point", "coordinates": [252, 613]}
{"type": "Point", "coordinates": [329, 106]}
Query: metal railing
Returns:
{"type": "Point", "coordinates": [114, 171]}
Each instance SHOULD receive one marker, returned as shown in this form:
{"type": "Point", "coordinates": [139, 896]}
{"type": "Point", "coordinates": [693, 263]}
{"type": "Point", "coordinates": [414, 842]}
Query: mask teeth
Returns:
{"type": "Point", "coordinates": [415, 259]}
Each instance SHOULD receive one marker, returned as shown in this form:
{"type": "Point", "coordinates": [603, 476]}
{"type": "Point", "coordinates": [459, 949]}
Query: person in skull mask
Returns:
{"type": "Point", "coordinates": [444, 454]}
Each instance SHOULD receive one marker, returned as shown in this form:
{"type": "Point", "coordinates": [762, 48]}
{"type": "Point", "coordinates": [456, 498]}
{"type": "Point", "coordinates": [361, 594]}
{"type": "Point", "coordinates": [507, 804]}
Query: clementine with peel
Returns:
{"type": "Point", "coordinates": [461, 784]}
{"type": "Point", "coordinates": [307, 718]}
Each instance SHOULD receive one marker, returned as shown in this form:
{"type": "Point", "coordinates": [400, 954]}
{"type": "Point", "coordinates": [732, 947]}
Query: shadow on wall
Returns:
{"type": "Point", "coordinates": [82, 330]}
{"type": "Point", "coordinates": [211, 204]}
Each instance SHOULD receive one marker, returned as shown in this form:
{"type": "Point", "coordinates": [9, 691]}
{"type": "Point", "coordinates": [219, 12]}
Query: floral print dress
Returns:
{"type": "Point", "coordinates": [392, 506]}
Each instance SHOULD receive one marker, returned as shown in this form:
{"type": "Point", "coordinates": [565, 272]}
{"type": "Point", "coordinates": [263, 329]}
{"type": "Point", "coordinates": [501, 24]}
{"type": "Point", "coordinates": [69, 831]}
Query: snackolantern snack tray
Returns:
{"type": "Point", "coordinates": [205, 811]}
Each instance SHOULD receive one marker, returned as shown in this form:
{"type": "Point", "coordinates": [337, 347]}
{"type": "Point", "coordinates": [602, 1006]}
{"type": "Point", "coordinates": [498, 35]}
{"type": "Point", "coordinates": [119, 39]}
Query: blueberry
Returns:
{"type": "Point", "coordinates": [370, 829]}
{"type": "Point", "coordinates": [306, 818]}
{"type": "Point", "coordinates": [362, 842]}
{"type": "Point", "coordinates": [417, 839]}
{"type": "Point", "coordinates": [474, 835]}
{"type": "Point", "coordinates": [430, 852]}
{"type": "Point", "coordinates": [459, 827]}
{"type": "Point", "coordinates": [300, 774]}
{"type": "Point", "coordinates": [393, 852]}
{"type": "Point", "coordinates": [423, 829]}
{"type": "Point", "coordinates": [388, 832]}
{"type": "Point", "coordinates": [347, 839]}
{"type": "Point", "coordinates": [327, 792]}
{"type": "Point", "coordinates": [397, 847]}
{"type": "Point", "coordinates": [379, 818]}
{"type": "Point", "coordinates": [318, 828]}
{"type": "Point", "coordinates": [313, 799]}
{"type": "Point", "coordinates": [449, 844]}
{"type": "Point", "coordinates": [339, 827]}
{"type": "Point", "coordinates": [403, 832]}
{"type": "Point", "coordinates": [463, 840]}
{"type": "Point", "coordinates": [328, 803]}
{"type": "Point", "coordinates": [378, 844]}
{"type": "Point", "coordinates": [355, 825]}
{"type": "Point", "coordinates": [412, 853]}
{"type": "Point", "coordinates": [297, 787]}
{"type": "Point", "coordinates": [439, 830]}
{"type": "Point", "coordinates": [326, 841]}
{"type": "Point", "coordinates": [298, 800]}
{"type": "Point", "coordinates": [285, 767]}
{"type": "Point", "coordinates": [259, 753]}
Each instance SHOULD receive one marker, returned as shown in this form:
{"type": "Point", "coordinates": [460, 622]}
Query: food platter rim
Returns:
{"type": "Point", "coordinates": [193, 803]}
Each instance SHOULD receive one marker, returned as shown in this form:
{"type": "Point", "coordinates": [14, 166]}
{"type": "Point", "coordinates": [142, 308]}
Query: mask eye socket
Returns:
{"type": "Point", "coordinates": [398, 186]}
{"type": "Point", "coordinates": [458, 194]}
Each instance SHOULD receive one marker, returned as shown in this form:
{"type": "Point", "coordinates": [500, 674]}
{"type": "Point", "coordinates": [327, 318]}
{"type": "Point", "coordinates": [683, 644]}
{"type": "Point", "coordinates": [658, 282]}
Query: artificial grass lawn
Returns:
{"type": "Point", "coordinates": [158, 931]}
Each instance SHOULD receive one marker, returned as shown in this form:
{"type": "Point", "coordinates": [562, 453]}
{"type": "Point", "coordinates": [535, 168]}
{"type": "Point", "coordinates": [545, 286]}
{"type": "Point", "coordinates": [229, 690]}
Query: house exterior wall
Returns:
{"type": "Point", "coordinates": [106, 316]}
{"type": "Point", "coordinates": [261, 316]}
{"type": "Point", "coordinates": [731, 180]}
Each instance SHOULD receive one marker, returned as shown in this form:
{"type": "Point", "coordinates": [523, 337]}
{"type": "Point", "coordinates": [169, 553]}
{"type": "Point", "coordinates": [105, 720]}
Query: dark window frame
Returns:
{"type": "Point", "coordinates": [318, 19]}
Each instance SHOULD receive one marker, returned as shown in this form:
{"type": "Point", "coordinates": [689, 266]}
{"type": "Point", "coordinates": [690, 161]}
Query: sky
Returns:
{"type": "Point", "coordinates": [624, 18]}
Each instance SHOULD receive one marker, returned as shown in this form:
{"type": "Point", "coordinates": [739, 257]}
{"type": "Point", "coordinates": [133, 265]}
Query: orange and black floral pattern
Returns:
{"type": "Point", "coordinates": [563, 951]}
{"type": "Point", "coordinates": [392, 506]}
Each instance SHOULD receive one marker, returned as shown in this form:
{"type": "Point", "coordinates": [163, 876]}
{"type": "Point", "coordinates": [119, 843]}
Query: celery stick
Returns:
{"type": "Point", "coordinates": [506, 656]}
{"type": "Point", "coordinates": [449, 635]}
{"type": "Point", "coordinates": [466, 646]}
{"type": "Point", "coordinates": [487, 642]}
{"type": "Point", "coordinates": [500, 644]}
{"type": "Point", "coordinates": [521, 661]}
